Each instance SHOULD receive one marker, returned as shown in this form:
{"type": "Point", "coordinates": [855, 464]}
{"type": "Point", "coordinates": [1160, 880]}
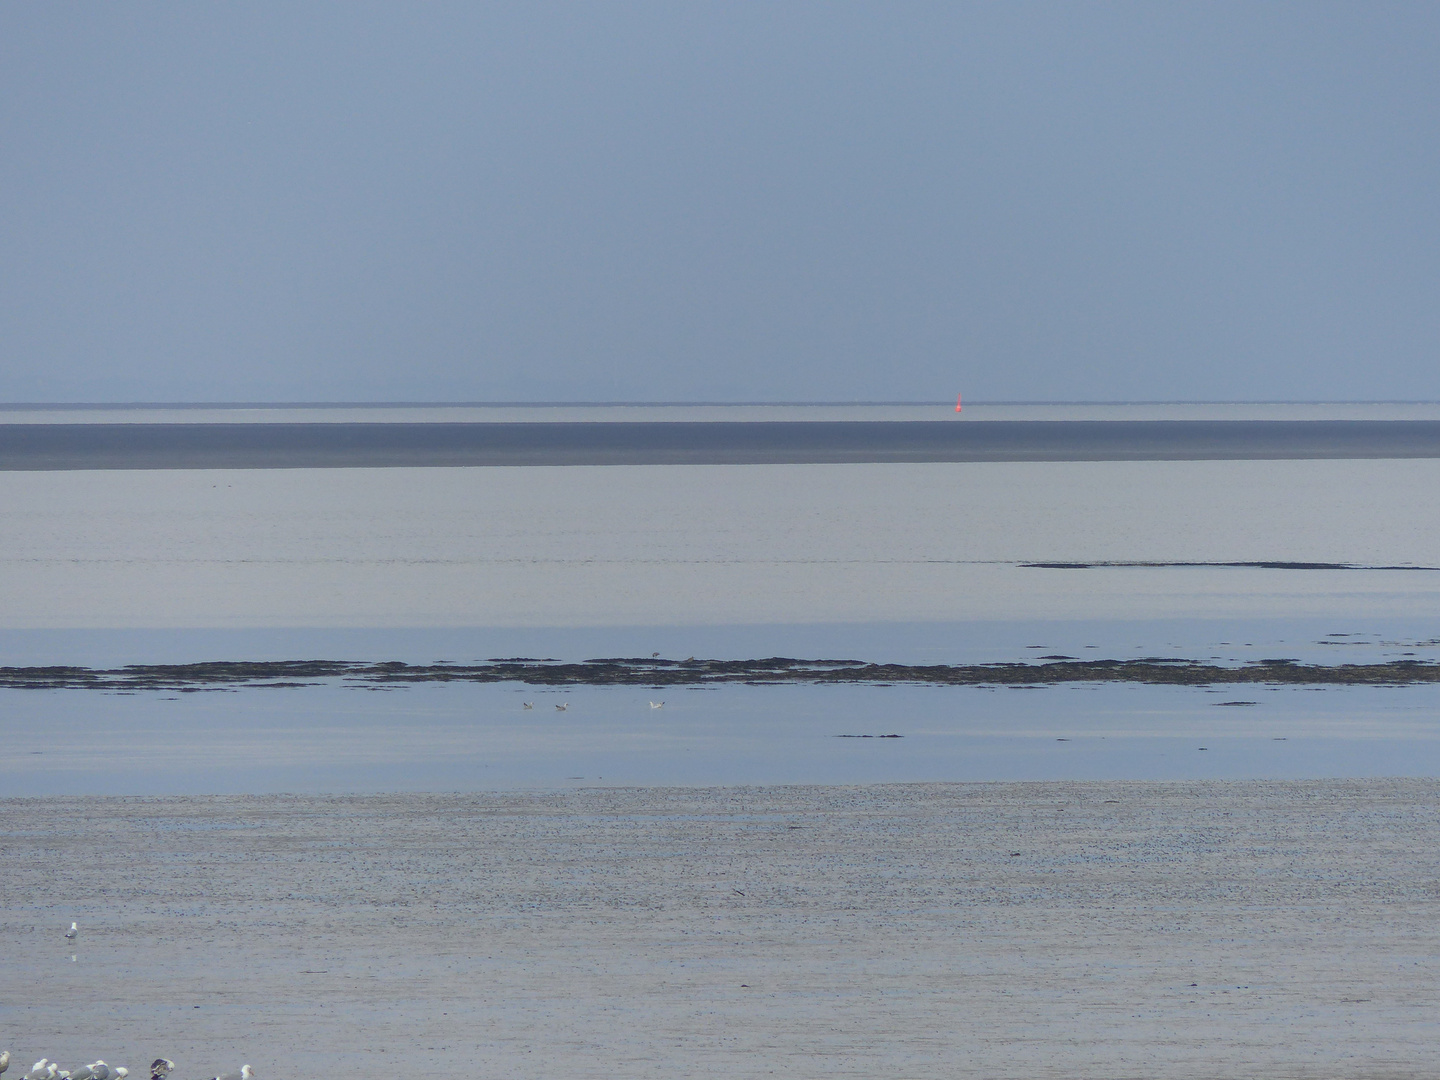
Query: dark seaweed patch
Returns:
{"type": "Point", "coordinates": [1175, 671]}
{"type": "Point", "coordinates": [1258, 564]}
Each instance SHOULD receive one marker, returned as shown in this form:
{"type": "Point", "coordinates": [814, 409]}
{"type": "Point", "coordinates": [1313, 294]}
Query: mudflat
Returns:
{"type": "Point", "coordinates": [1095, 929]}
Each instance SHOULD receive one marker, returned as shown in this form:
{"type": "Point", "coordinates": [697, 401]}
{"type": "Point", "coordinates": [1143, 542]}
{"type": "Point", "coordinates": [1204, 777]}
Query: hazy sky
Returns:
{"type": "Point", "coordinates": [730, 201]}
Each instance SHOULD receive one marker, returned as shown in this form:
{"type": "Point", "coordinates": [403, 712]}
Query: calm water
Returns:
{"type": "Point", "coordinates": [917, 562]}
{"type": "Point", "coordinates": [480, 738]}
{"type": "Point", "coordinates": [256, 445]}
{"type": "Point", "coordinates": [715, 545]}
{"type": "Point", "coordinates": [259, 437]}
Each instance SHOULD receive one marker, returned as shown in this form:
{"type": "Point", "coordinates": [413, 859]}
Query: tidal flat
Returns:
{"type": "Point", "coordinates": [718, 878]}
{"type": "Point", "coordinates": [1075, 929]}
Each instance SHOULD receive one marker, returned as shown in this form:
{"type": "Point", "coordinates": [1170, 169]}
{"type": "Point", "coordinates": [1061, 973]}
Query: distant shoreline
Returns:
{"type": "Point", "coordinates": [66, 446]}
{"type": "Point", "coordinates": [1155, 671]}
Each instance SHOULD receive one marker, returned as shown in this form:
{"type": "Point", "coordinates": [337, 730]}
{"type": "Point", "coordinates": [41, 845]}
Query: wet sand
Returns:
{"type": "Point", "coordinates": [1026, 930]}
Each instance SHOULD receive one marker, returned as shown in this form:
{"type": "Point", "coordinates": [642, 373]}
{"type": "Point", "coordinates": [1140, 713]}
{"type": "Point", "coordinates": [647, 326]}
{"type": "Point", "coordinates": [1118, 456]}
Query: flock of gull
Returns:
{"type": "Point", "coordinates": [45, 1069]}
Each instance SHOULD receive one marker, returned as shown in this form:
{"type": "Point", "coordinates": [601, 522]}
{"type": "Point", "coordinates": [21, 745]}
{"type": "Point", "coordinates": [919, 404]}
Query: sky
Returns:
{"type": "Point", "coordinates": [719, 202]}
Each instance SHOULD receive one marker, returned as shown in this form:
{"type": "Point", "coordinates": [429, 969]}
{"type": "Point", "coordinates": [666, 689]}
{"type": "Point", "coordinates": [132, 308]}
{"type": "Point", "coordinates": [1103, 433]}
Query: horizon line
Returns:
{"type": "Point", "coordinates": [57, 405]}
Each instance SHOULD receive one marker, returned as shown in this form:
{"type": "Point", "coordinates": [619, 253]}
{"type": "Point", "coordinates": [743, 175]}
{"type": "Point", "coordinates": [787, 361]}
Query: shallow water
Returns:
{"type": "Point", "coordinates": [454, 737]}
{"type": "Point", "coordinates": [975, 641]}
{"type": "Point", "coordinates": [912, 563]}
{"type": "Point", "coordinates": [721, 546]}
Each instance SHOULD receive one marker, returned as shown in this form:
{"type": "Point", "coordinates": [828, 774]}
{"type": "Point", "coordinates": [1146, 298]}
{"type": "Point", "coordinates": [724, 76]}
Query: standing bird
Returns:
{"type": "Point", "coordinates": [4, 1061]}
{"type": "Point", "coordinates": [72, 933]}
{"type": "Point", "coordinates": [245, 1073]}
{"type": "Point", "coordinates": [159, 1067]}
{"type": "Point", "coordinates": [37, 1071]}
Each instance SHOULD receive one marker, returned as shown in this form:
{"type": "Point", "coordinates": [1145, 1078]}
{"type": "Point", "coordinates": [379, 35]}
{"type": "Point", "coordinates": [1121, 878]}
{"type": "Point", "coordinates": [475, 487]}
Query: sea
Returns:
{"type": "Point", "coordinates": [915, 561]}
{"type": "Point", "coordinates": [1085, 880]}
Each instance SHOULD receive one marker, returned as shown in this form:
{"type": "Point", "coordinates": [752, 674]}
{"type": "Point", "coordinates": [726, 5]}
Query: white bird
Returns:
{"type": "Point", "coordinates": [100, 1070]}
{"type": "Point", "coordinates": [657, 704]}
{"type": "Point", "coordinates": [4, 1061]}
{"type": "Point", "coordinates": [245, 1073]}
{"type": "Point", "coordinates": [159, 1067]}
{"type": "Point", "coordinates": [528, 704]}
{"type": "Point", "coordinates": [120, 1072]}
{"type": "Point", "coordinates": [87, 1073]}
{"type": "Point", "coordinates": [37, 1070]}
{"type": "Point", "coordinates": [562, 708]}
{"type": "Point", "coordinates": [72, 933]}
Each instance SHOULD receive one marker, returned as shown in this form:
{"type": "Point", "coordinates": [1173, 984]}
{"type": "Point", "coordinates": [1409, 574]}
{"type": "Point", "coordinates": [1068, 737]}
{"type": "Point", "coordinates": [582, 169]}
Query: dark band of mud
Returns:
{"type": "Point", "coordinates": [222, 675]}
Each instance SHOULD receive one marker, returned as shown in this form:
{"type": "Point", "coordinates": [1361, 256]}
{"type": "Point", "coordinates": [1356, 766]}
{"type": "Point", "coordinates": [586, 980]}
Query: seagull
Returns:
{"type": "Point", "coordinates": [657, 704]}
{"type": "Point", "coordinates": [159, 1067]}
{"type": "Point", "coordinates": [37, 1070]}
{"type": "Point", "coordinates": [245, 1073]}
{"type": "Point", "coordinates": [72, 933]}
{"type": "Point", "coordinates": [562, 708]}
{"type": "Point", "coordinates": [120, 1072]}
{"type": "Point", "coordinates": [100, 1070]}
{"type": "Point", "coordinates": [4, 1061]}
{"type": "Point", "coordinates": [528, 704]}
{"type": "Point", "coordinates": [87, 1073]}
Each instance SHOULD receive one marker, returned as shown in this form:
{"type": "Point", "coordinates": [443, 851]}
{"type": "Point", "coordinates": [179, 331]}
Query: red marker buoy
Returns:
{"type": "Point", "coordinates": [957, 402]}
